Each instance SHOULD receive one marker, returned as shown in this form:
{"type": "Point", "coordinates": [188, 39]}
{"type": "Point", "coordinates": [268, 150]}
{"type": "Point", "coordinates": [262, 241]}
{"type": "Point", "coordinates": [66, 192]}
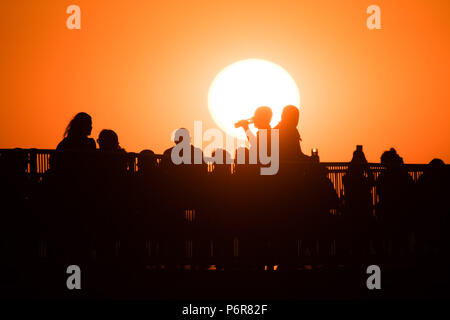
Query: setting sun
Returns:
{"type": "Point", "coordinates": [225, 158]}
{"type": "Point", "coordinates": [245, 85]}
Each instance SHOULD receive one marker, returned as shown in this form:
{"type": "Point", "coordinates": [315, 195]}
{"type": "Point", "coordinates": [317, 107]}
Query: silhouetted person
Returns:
{"type": "Point", "coordinates": [112, 196]}
{"type": "Point", "coordinates": [114, 159]}
{"type": "Point", "coordinates": [76, 139]}
{"type": "Point", "coordinates": [358, 203]}
{"type": "Point", "coordinates": [181, 135]}
{"type": "Point", "coordinates": [261, 121]}
{"type": "Point", "coordinates": [432, 220]}
{"type": "Point", "coordinates": [289, 137]}
{"type": "Point", "coordinates": [395, 190]}
{"type": "Point", "coordinates": [320, 199]}
{"type": "Point", "coordinates": [184, 173]}
{"type": "Point", "coordinates": [76, 136]}
{"type": "Point", "coordinates": [108, 141]}
{"type": "Point", "coordinates": [75, 188]}
{"type": "Point", "coordinates": [146, 209]}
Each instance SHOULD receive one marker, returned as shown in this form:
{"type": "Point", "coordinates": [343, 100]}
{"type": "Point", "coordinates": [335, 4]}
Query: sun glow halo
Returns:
{"type": "Point", "coordinates": [245, 85]}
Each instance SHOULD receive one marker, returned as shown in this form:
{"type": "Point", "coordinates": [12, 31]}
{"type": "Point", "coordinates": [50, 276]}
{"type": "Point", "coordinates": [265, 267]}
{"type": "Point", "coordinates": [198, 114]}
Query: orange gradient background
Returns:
{"type": "Point", "coordinates": [143, 68]}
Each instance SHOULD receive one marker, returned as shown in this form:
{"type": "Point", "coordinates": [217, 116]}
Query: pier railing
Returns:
{"type": "Point", "coordinates": [38, 162]}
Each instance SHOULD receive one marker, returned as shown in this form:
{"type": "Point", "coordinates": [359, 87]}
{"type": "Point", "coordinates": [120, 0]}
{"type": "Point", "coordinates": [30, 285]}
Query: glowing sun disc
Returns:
{"type": "Point", "coordinates": [243, 86]}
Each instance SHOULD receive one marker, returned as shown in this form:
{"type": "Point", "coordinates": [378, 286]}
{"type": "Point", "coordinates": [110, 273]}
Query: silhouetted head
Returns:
{"type": "Point", "coordinates": [180, 135]}
{"type": "Point", "coordinates": [391, 159]}
{"type": "Point", "coordinates": [358, 162]}
{"type": "Point", "coordinates": [146, 160]}
{"type": "Point", "coordinates": [108, 140]}
{"type": "Point", "coordinates": [262, 117]}
{"type": "Point", "coordinates": [437, 163]}
{"type": "Point", "coordinates": [289, 117]}
{"type": "Point", "coordinates": [358, 157]}
{"type": "Point", "coordinates": [79, 126]}
{"type": "Point", "coordinates": [436, 167]}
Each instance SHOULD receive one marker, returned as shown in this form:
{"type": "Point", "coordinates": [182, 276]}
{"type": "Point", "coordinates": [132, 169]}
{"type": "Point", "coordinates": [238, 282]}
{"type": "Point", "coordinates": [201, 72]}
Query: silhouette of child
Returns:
{"type": "Point", "coordinates": [108, 141]}
{"type": "Point", "coordinates": [114, 158]}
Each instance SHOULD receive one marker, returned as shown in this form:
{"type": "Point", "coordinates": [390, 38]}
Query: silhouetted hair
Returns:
{"type": "Point", "coordinates": [391, 158]}
{"type": "Point", "coordinates": [80, 125]}
{"type": "Point", "coordinates": [437, 163]}
{"type": "Point", "coordinates": [108, 140]}
{"type": "Point", "coordinates": [262, 114]}
{"type": "Point", "coordinates": [289, 117]}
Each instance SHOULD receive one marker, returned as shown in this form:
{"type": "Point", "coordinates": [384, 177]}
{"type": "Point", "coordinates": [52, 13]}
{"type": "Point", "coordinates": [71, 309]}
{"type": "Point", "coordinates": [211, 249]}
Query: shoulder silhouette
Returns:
{"type": "Point", "coordinates": [289, 137]}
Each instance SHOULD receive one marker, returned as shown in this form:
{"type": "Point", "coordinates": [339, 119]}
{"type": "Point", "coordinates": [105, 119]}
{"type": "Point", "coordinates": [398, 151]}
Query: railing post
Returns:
{"type": "Point", "coordinates": [33, 163]}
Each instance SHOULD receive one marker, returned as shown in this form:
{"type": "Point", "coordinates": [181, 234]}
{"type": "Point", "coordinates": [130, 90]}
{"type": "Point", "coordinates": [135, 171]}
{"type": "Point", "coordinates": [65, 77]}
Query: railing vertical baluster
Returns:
{"type": "Point", "coordinates": [33, 163]}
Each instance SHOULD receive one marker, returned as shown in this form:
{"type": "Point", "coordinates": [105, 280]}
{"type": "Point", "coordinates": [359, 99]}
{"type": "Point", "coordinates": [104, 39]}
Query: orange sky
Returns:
{"type": "Point", "coordinates": [143, 68]}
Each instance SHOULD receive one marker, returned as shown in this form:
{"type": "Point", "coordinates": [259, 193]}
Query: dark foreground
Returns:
{"type": "Point", "coordinates": [339, 282]}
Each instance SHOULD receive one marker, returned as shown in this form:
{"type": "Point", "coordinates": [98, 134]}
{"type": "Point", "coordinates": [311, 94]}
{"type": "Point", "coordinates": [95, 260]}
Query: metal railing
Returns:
{"type": "Point", "coordinates": [38, 162]}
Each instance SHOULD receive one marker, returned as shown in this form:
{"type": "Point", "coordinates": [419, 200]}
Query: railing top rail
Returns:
{"type": "Point", "coordinates": [159, 156]}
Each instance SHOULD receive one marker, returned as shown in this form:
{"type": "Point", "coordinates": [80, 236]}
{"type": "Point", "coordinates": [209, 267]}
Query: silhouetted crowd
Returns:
{"type": "Point", "coordinates": [100, 204]}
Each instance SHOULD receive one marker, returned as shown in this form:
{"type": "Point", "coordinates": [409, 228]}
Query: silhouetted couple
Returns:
{"type": "Point", "coordinates": [78, 143]}
{"type": "Point", "coordinates": [289, 137]}
{"type": "Point", "coordinates": [76, 136]}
